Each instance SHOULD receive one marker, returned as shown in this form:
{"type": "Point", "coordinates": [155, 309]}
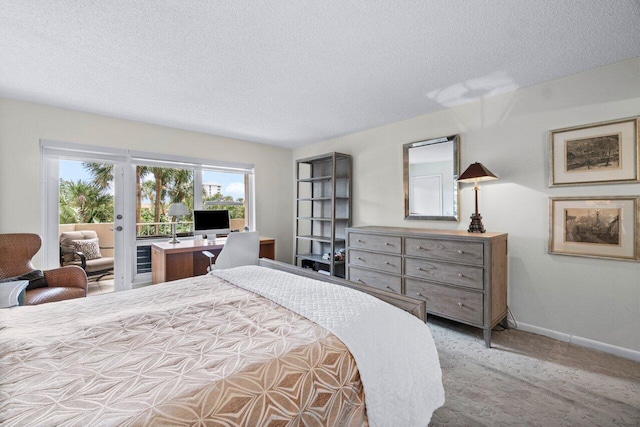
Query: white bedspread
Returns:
{"type": "Point", "coordinates": [394, 350]}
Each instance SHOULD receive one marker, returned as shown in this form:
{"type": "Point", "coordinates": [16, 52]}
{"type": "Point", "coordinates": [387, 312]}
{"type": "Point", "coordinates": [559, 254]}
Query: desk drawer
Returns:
{"type": "Point", "coordinates": [456, 303]}
{"type": "Point", "coordinates": [374, 242]}
{"type": "Point", "coordinates": [462, 275]}
{"type": "Point", "coordinates": [383, 262]}
{"type": "Point", "coordinates": [386, 282]}
{"type": "Point", "coordinates": [446, 250]}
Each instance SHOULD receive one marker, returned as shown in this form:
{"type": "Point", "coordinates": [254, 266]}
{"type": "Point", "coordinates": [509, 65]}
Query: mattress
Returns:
{"type": "Point", "coordinates": [210, 350]}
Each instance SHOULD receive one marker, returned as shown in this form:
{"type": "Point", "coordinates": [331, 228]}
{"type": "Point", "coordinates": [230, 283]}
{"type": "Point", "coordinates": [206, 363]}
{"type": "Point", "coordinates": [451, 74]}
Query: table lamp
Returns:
{"type": "Point", "coordinates": [476, 172]}
{"type": "Point", "coordinates": [178, 210]}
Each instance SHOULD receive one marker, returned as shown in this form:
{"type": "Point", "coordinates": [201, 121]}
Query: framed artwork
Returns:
{"type": "Point", "coordinates": [598, 227]}
{"type": "Point", "coordinates": [600, 153]}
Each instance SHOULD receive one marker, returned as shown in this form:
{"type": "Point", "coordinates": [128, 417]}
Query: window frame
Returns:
{"type": "Point", "coordinates": [51, 151]}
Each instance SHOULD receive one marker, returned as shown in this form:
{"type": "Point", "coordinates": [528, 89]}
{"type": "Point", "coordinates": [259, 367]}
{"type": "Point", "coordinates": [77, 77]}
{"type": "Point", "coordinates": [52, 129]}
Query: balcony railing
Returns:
{"type": "Point", "coordinates": [144, 230]}
{"type": "Point", "coordinates": [162, 229]}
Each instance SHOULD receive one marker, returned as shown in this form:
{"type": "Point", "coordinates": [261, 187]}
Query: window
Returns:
{"type": "Point", "coordinates": [227, 190]}
{"type": "Point", "coordinates": [131, 192]}
{"type": "Point", "coordinates": [159, 187]}
{"type": "Point", "coordinates": [163, 180]}
{"type": "Point", "coordinates": [156, 189]}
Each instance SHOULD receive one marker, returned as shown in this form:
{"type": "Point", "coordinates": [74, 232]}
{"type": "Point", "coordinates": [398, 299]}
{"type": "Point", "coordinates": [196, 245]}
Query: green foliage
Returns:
{"type": "Point", "coordinates": [234, 211]}
{"type": "Point", "coordinates": [83, 202]}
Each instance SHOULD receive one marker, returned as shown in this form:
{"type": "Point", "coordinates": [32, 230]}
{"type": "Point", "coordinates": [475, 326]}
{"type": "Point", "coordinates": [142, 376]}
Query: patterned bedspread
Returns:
{"type": "Point", "coordinates": [194, 351]}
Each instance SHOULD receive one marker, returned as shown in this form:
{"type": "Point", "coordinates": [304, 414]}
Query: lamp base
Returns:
{"type": "Point", "coordinates": [173, 234]}
{"type": "Point", "coordinates": [476, 224]}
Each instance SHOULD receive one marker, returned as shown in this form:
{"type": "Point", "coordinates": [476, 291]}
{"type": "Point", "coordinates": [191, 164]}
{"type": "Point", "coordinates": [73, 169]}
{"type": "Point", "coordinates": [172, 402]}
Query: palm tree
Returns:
{"type": "Point", "coordinates": [101, 173]}
{"type": "Point", "coordinates": [174, 184]}
{"type": "Point", "coordinates": [67, 212]}
{"type": "Point", "coordinates": [180, 187]}
{"type": "Point", "coordinates": [84, 202]}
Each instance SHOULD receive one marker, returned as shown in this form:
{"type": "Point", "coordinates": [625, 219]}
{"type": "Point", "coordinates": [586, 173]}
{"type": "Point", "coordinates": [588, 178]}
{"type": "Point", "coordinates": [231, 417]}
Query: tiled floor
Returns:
{"type": "Point", "coordinates": [102, 286]}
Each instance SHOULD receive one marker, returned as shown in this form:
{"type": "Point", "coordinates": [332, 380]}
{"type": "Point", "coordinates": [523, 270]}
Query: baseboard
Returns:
{"type": "Point", "coordinates": [583, 342]}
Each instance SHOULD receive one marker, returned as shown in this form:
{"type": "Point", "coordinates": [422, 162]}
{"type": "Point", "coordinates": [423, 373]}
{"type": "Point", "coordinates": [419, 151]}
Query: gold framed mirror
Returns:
{"type": "Point", "coordinates": [431, 169]}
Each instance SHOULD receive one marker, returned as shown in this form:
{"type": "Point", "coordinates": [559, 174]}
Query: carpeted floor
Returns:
{"type": "Point", "coordinates": [531, 380]}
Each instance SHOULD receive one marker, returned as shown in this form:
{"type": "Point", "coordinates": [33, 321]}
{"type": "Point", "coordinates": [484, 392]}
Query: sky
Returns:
{"type": "Point", "coordinates": [232, 183]}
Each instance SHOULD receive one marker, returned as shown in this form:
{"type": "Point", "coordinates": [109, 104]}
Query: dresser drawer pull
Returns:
{"type": "Point", "coordinates": [359, 280]}
{"type": "Point", "coordinates": [360, 241]}
{"type": "Point", "coordinates": [460, 275]}
{"type": "Point", "coordinates": [461, 304]}
{"type": "Point", "coordinates": [420, 295]}
{"type": "Point", "coordinates": [387, 262]}
{"type": "Point", "coordinates": [361, 259]}
{"type": "Point", "coordinates": [460, 251]}
{"type": "Point", "coordinates": [419, 268]}
{"type": "Point", "coordinates": [390, 288]}
{"type": "Point", "coordinates": [419, 248]}
{"type": "Point", "coordinates": [388, 244]}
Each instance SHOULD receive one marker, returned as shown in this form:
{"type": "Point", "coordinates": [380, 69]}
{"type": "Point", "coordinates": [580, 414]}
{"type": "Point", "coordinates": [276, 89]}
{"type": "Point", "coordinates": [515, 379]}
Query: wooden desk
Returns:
{"type": "Point", "coordinates": [185, 259]}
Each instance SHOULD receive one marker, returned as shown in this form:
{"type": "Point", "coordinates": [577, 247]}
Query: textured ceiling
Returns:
{"type": "Point", "coordinates": [292, 73]}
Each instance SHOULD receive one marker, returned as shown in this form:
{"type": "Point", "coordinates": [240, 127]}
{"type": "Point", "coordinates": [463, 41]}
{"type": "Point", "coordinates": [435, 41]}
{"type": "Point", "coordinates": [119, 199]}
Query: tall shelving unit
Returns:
{"type": "Point", "coordinates": [323, 211]}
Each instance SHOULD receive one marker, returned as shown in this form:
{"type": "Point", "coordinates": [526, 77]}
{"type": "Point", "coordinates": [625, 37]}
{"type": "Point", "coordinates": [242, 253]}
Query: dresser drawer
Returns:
{"type": "Point", "coordinates": [383, 262]}
{"type": "Point", "coordinates": [386, 282]}
{"type": "Point", "coordinates": [462, 275]}
{"type": "Point", "coordinates": [375, 242]}
{"type": "Point", "coordinates": [456, 303]}
{"type": "Point", "coordinates": [446, 250]}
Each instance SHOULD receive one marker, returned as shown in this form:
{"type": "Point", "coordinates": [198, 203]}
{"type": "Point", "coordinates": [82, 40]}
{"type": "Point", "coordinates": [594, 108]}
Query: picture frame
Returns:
{"type": "Point", "coordinates": [599, 153]}
{"type": "Point", "coordinates": [595, 227]}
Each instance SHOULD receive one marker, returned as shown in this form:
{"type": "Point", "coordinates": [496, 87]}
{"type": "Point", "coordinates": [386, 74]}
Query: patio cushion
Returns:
{"type": "Point", "coordinates": [67, 247]}
{"type": "Point", "coordinates": [89, 247]}
{"type": "Point", "coordinates": [100, 264]}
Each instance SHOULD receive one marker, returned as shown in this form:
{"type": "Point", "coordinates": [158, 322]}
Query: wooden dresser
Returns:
{"type": "Point", "coordinates": [462, 276]}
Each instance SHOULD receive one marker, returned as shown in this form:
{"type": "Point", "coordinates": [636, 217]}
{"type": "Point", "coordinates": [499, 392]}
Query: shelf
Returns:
{"type": "Point", "coordinates": [316, 178]}
{"type": "Point", "coordinates": [323, 158]}
{"type": "Point", "coordinates": [321, 178]}
{"type": "Point", "coordinates": [324, 181]}
{"type": "Point", "coordinates": [313, 199]}
{"type": "Point", "coordinates": [324, 239]}
{"type": "Point", "coordinates": [318, 258]}
{"type": "Point", "coordinates": [310, 218]}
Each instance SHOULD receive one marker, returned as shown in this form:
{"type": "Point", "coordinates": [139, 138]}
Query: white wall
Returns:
{"type": "Point", "coordinates": [23, 124]}
{"type": "Point", "coordinates": [593, 299]}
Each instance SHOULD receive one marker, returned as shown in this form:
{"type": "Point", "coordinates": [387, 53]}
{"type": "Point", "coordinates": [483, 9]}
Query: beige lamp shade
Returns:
{"type": "Point", "coordinates": [178, 209]}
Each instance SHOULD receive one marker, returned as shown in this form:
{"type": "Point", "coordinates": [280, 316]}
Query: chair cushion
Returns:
{"type": "Point", "coordinates": [35, 278]}
{"type": "Point", "coordinates": [89, 247]}
{"type": "Point", "coordinates": [100, 264]}
{"type": "Point", "coordinates": [65, 241]}
{"type": "Point", "coordinates": [43, 295]}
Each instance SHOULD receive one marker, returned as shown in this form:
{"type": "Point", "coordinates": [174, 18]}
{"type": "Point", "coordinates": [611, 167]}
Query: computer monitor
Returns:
{"type": "Point", "coordinates": [211, 222]}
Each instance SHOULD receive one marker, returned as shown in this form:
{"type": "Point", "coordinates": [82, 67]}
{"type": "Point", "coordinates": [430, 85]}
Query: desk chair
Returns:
{"type": "Point", "coordinates": [239, 249]}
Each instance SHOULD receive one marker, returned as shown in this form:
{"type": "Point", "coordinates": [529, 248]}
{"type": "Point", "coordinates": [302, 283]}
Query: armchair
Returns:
{"type": "Point", "coordinates": [59, 284]}
{"type": "Point", "coordinates": [70, 255]}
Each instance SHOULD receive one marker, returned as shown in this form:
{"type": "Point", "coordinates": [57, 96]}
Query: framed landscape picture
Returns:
{"type": "Point", "coordinates": [599, 227]}
{"type": "Point", "coordinates": [601, 153]}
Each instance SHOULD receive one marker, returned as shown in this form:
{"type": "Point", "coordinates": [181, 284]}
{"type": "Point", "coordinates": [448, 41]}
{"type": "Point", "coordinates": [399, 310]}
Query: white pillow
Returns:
{"type": "Point", "coordinates": [89, 247]}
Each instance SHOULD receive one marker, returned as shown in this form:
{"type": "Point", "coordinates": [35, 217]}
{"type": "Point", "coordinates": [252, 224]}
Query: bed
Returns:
{"type": "Point", "coordinates": [245, 346]}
